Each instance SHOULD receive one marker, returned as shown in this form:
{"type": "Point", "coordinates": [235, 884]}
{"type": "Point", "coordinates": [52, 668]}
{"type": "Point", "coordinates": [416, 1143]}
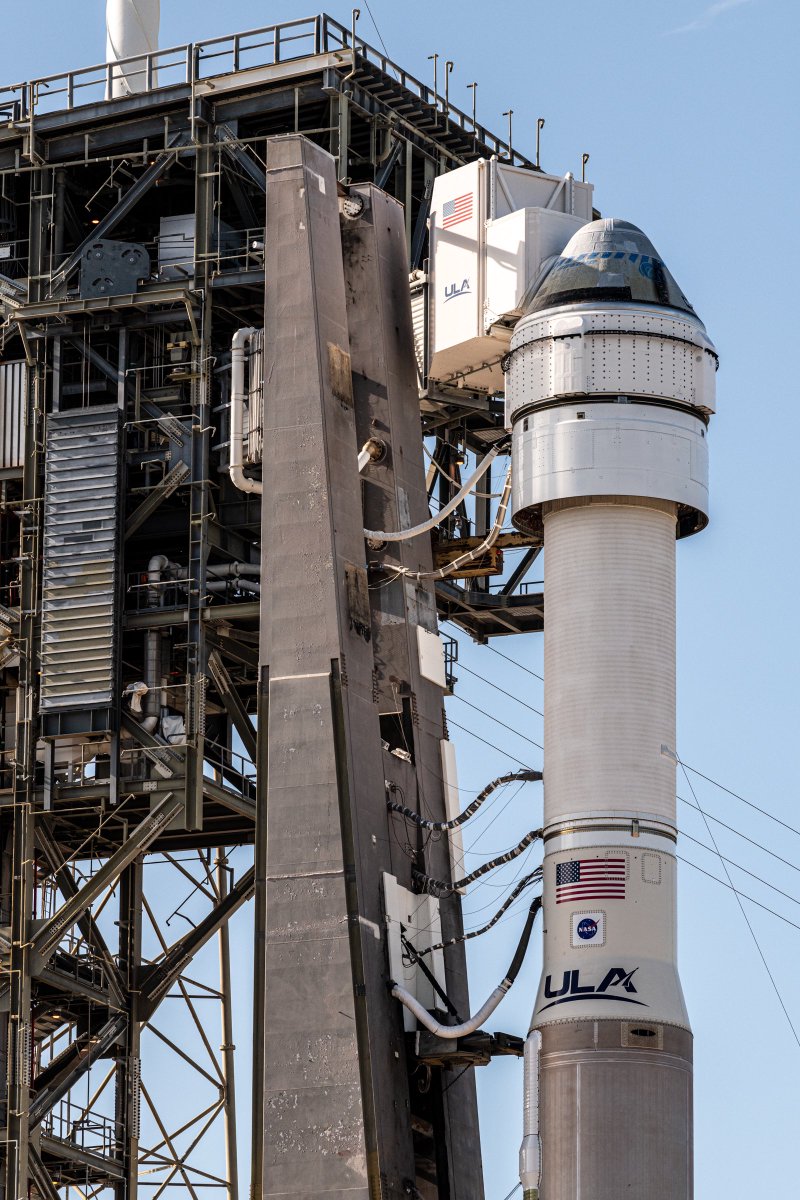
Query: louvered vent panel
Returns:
{"type": "Point", "coordinates": [81, 522]}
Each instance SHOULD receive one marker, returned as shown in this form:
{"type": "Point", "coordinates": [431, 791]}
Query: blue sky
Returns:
{"type": "Point", "coordinates": [688, 111]}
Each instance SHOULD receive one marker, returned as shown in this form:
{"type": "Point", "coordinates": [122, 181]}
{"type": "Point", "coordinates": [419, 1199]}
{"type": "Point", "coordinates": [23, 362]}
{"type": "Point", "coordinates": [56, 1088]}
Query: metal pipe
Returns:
{"type": "Point", "coordinates": [244, 585]}
{"type": "Point", "coordinates": [530, 1154]}
{"type": "Point", "coordinates": [352, 71]}
{"type": "Point", "coordinates": [448, 68]}
{"type": "Point", "coordinates": [450, 1032]}
{"type": "Point", "coordinates": [227, 1048]}
{"type": "Point", "coordinates": [403, 535]}
{"type": "Point", "coordinates": [236, 452]}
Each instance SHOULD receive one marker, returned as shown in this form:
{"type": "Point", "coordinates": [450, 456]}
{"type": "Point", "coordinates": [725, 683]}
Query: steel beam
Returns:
{"type": "Point", "coordinates": [85, 922]}
{"type": "Point", "coordinates": [156, 980]}
{"type": "Point", "coordinates": [233, 705]}
{"type": "Point", "coordinates": [118, 213]}
{"type": "Point", "coordinates": [65, 1071]}
{"type": "Point", "coordinates": [47, 937]}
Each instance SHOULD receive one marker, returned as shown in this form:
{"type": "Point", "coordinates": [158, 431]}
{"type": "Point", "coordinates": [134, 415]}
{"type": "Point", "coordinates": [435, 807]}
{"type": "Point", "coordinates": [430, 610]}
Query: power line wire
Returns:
{"type": "Point", "coordinates": [739, 867]}
{"type": "Point", "coordinates": [491, 745]}
{"type": "Point", "coordinates": [497, 721]}
{"type": "Point", "coordinates": [742, 908]}
{"type": "Point", "coordinates": [741, 835]}
{"type": "Point", "coordinates": [497, 688]}
{"type": "Point", "coordinates": [375, 23]}
{"type": "Point", "coordinates": [764, 812]}
{"type": "Point", "coordinates": [744, 895]}
{"type": "Point", "coordinates": [736, 796]}
{"type": "Point", "coordinates": [514, 663]}
{"type": "Point", "coordinates": [711, 849]}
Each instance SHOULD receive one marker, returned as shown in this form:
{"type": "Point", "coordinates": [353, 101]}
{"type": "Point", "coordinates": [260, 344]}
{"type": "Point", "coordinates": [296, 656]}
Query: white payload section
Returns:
{"type": "Point", "coordinates": [492, 227]}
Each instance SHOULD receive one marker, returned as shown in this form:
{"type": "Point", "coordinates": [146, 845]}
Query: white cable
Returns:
{"type": "Point", "coordinates": [468, 555]}
{"type": "Point", "coordinates": [450, 1031]}
{"type": "Point", "coordinates": [403, 535]}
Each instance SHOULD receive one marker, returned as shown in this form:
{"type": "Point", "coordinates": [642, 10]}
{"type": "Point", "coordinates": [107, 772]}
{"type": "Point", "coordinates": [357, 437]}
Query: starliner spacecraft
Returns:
{"type": "Point", "coordinates": [610, 389]}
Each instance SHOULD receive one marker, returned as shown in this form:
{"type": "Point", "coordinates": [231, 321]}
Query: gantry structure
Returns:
{"type": "Point", "coordinates": [191, 668]}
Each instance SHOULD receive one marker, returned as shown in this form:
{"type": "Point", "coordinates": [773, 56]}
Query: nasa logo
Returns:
{"type": "Point", "coordinates": [588, 930]}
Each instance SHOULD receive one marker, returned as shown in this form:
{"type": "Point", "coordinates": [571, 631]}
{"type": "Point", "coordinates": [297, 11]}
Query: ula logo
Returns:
{"type": "Point", "coordinates": [452, 290]}
{"type": "Point", "coordinates": [572, 989]}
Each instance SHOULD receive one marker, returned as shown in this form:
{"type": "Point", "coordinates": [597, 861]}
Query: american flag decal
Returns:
{"type": "Point", "coordinates": [590, 879]}
{"type": "Point", "coordinates": [456, 211]}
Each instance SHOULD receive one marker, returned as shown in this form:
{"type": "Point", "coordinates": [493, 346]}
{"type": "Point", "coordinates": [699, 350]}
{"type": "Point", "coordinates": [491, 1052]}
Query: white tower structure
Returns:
{"type": "Point", "coordinates": [610, 389]}
{"type": "Point", "coordinates": [131, 30]}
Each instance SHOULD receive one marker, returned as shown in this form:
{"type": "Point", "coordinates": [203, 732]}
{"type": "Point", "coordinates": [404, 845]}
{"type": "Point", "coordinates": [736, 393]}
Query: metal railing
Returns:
{"type": "Point", "coordinates": [91, 1131]}
{"type": "Point", "coordinates": [450, 648]}
{"type": "Point", "coordinates": [194, 62]}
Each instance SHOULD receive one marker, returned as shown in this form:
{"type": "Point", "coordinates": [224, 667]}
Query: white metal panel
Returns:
{"type": "Point", "coordinates": [516, 247]}
{"type": "Point", "coordinates": [626, 351]}
{"type": "Point", "coordinates": [417, 919]}
{"type": "Point", "coordinates": [605, 449]}
{"type": "Point", "coordinates": [458, 213]}
{"type": "Point", "coordinates": [609, 648]}
{"type": "Point", "coordinates": [431, 657]}
{"type": "Point", "coordinates": [632, 951]}
{"type": "Point", "coordinates": [512, 188]}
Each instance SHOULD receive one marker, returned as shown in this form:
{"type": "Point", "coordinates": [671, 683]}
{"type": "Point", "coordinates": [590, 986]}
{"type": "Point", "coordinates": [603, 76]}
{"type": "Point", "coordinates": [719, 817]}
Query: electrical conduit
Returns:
{"type": "Point", "coordinates": [236, 452]}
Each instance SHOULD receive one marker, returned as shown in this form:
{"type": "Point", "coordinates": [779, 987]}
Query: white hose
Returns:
{"type": "Point", "coordinates": [403, 535]}
{"type": "Point", "coordinates": [236, 452]}
{"type": "Point", "coordinates": [530, 1154]}
{"type": "Point", "coordinates": [468, 555]}
{"type": "Point", "coordinates": [450, 1031]}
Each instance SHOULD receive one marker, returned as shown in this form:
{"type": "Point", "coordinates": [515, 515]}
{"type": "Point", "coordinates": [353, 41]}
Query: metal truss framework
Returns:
{"type": "Point", "coordinates": [96, 812]}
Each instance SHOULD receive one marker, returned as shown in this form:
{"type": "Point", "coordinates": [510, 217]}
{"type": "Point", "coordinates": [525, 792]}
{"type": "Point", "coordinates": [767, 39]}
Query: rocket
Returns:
{"type": "Point", "coordinates": [610, 387]}
{"type": "Point", "coordinates": [132, 28]}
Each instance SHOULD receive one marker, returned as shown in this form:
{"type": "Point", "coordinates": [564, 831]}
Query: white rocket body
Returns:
{"type": "Point", "coordinates": [609, 391]}
{"type": "Point", "coordinates": [131, 30]}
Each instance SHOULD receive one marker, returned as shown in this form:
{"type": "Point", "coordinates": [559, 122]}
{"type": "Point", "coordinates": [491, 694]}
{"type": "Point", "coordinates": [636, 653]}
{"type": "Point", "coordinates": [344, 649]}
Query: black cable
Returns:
{"type": "Point", "coordinates": [441, 826]}
{"type": "Point", "coordinates": [742, 908]}
{"type": "Point", "coordinates": [463, 1071]}
{"type": "Point", "coordinates": [375, 23]}
{"type": "Point", "coordinates": [497, 721]}
{"type": "Point", "coordinates": [438, 887]}
{"type": "Point", "coordinates": [465, 937]}
{"type": "Point", "coordinates": [741, 835]}
{"type": "Point", "coordinates": [744, 895]}
{"type": "Point", "coordinates": [736, 796]}
{"type": "Point", "coordinates": [514, 663]}
{"type": "Point", "coordinates": [524, 942]}
{"type": "Point", "coordinates": [415, 957]}
{"type": "Point", "coordinates": [694, 770]}
{"type": "Point", "coordinates": [491, 745]}
{"type": "Point", "coordinates": [462, 667]}
{"type": "Point", "coordinates": [739, 867]}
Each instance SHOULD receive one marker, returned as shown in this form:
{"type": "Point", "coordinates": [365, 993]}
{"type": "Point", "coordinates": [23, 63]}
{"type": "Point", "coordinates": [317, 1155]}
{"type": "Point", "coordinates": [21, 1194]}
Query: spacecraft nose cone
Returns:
{"type": "Point", "coordinates": [609, 260]}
